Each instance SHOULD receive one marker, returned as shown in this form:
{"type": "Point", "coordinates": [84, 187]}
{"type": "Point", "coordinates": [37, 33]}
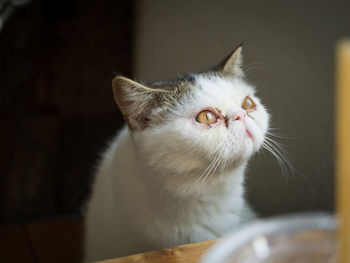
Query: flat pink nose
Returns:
{"type": "Point", "coordinates": [239, 116]}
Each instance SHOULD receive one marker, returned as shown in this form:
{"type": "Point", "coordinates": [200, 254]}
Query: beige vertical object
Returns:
{"type": "Point", "coordinates": [343, 147]}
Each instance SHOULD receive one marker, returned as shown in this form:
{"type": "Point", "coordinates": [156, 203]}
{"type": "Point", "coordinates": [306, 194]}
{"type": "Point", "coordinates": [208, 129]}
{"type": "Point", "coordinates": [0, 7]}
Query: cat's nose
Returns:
{"type": "Point", "coordinates": [239, 116]}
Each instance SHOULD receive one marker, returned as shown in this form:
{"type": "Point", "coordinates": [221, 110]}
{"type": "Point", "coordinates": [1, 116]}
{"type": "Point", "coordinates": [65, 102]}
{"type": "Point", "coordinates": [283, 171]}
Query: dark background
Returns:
{"type": "Point", "coordinates": [57, 59]}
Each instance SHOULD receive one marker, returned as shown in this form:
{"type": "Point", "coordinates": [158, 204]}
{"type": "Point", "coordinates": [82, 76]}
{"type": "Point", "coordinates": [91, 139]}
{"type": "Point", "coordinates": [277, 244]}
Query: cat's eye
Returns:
{"type": "Point", "coordinates": [206, 117]}
{"type": "Point", "coordinates": [248, 103]}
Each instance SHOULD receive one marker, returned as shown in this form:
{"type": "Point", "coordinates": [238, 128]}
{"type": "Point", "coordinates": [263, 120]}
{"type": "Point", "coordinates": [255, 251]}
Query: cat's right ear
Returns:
{"type": "Point", "coordinates": [135, 101]}
{"type": "Point", "coordinates": [232, 64]}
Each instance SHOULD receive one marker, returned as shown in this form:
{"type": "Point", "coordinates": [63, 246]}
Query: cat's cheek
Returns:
{"type": "Point", "coordinates": [261, 118]}
{"type": "Point", "coordinates": [257, 136]}
{"type": "Point", "coordinates": [258, 141]}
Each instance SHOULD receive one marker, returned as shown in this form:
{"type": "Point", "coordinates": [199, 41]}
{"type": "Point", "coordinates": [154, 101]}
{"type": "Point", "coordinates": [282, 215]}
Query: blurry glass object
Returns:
{"type": "Point", "coordinates": [285, 239]}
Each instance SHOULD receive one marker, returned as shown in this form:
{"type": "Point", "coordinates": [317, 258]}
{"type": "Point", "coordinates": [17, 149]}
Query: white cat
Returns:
{"type": "Point", "coordinates": [175, 174]}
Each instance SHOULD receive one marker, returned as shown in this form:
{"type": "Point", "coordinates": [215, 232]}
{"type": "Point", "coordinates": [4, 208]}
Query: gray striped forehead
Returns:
{"type": "Point", "coordinates": [171, 85]}
{"type": "Point", "coordinates": [178, 91]}
{"type": "Point", "coordinates": [180, 88]}
{"type": "Point", "coordinates": [175, 91]}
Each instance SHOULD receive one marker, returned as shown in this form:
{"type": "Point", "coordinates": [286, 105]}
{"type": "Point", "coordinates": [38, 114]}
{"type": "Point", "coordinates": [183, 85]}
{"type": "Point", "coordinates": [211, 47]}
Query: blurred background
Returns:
{"type": "Point", "coordinates": [57, 60]}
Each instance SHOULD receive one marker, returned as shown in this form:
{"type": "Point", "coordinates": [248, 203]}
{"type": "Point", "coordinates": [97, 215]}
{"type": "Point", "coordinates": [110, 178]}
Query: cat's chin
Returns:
{"type": "Point", "coordinates": [253, 140]}
{"type": "Point", "coordinates": [242, 156]}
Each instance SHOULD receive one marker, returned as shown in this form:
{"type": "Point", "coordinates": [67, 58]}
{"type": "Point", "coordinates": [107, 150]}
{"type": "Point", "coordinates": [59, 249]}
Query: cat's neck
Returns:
{"type": "Point", "coordinates": [225, 190]}
{"type": "Point", "coordinates": [159, 178]}
{"type": "Point", "coordinates": [188, 182]}
{"type": "Point", "coordinates": [152, 187]}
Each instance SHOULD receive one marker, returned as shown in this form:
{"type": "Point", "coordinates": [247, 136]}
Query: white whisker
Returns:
{"type": "Point", "coordinates": [212, 171]}
{"type": "Point", "coordinates": [279, 152]}
{"type": "Point", "coordinates": [252, 68]}
{"type": "Point", "coordinates": [203, 175]}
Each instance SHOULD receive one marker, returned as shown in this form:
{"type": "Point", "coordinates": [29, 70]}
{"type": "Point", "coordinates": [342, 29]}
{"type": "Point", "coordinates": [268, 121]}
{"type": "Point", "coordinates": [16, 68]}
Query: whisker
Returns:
{"type": "Point", "coordinates": [279, 135]}
{"type": "Point", "coordinates": [255, 66]}
{"type": "Point", "coordinates": [209, 175]}
{"type": "Point", "coordinates": [203, 177]}
{"type": "Point", "coordinates": [279, 152]}
{"type": "Point", "coordinates": [208, 169]}
{"type": "Point", "coordinates": [215, 164]}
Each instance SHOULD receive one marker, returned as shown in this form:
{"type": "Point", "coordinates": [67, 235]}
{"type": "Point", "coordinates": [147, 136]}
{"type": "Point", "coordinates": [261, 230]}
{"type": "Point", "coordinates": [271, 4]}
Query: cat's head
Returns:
{"type": "Point", "coordinates": [199, 122]}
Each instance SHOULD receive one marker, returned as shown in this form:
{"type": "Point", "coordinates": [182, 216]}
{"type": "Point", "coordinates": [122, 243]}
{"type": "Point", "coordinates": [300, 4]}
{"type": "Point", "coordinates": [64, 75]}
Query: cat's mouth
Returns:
{"type": "Point", "coordinates": [247, 132]}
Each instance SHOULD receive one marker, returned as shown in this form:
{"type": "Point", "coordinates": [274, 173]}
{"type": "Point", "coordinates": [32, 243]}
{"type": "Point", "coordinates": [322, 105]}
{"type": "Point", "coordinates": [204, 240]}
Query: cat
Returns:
{"type": "Point", "coordinates": [175, 173]}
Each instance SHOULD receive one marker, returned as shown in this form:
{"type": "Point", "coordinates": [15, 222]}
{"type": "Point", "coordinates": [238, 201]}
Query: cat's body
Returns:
{"type": "Point", "coordinates": [175, 174]}
{"type": "Point", "coordinates": [132, 214]}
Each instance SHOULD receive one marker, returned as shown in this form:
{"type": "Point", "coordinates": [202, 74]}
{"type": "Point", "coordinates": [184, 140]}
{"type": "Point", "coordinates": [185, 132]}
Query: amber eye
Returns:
{"type": "Point", "coordinates": [248, 103]}
{"type": "Point", "coordinates": [206, 117]}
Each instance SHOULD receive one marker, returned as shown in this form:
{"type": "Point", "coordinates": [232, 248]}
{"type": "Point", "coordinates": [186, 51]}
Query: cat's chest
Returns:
{"type": "Point", "coordinates": [219, 212]}
{"type": "Point", "coordinates": [197, 221]}
{"type": "Point", "coordinates": [219, 218]}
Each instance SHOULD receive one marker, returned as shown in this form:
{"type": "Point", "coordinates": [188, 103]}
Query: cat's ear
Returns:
{"type": "Point", "coordinates": [232, 64]}
{"type": "Point", "coordinates": [135, 101]}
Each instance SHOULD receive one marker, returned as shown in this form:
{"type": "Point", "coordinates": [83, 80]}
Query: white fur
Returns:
{"type": "Point", "coordinates": [177, 182]}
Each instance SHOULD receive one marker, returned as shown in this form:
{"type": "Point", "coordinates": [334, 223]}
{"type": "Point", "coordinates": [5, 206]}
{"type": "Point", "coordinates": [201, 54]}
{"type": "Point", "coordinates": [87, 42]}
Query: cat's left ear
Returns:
{"type": "Point", "coordinates": [136, 101]}
{"type": "Point", "coordinates": [232, 64]}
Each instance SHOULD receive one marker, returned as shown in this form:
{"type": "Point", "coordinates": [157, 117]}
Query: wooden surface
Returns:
{"type": "Point", "coordinates": [61, 240]}
{"type": "Point", "coordinates": [343, 148]}
{"type": "Point", "coordinates": [190, 253]}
